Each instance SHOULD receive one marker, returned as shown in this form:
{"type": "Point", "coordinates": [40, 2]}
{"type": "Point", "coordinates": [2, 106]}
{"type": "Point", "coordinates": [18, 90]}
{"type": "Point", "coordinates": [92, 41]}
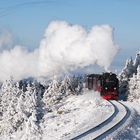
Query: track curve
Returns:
{"type": "Point", "coordinates": [106, 127]}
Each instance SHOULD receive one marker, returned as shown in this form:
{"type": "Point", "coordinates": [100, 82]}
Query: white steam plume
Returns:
{"type": "Point", "coordinates": [5, 40]}
{"type": "Point", "coordinates": [64, 47]}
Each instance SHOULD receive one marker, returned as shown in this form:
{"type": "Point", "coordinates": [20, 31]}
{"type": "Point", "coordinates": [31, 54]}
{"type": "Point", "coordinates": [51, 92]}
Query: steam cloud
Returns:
{"type": "Point", "coordinates": [5, 40]}
{"type": "Point", "coordinates": [64, 47]}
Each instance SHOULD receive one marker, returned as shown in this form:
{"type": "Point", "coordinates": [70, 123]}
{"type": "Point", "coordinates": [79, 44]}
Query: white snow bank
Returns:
{"type": "Point", "coordinates": [130, 130]}
{"type": "Point", "coordinates": [26, 116]}
{"type": "Point", "coordinates": [76, 115]}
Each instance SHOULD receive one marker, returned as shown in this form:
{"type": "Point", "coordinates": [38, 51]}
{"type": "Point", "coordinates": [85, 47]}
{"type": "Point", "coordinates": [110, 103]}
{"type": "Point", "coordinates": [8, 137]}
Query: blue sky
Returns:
{"type": "Point", "coordinates": [28, 19]}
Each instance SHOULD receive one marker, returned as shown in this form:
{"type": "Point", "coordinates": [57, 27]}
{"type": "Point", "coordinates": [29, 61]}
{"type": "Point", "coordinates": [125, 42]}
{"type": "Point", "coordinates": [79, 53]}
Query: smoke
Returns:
{"type": "Point", "coordinates": [5, 40]}
{"type": "Point", "coordinates": [65, 47]}
{"type": "Point", "coordinates": [18, 63]}
{"type": "Point", "coordinates": [68, 47]}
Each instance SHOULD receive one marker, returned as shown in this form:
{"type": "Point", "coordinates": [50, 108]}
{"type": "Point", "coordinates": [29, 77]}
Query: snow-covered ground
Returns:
{"type": "Point", "coordinates": [76, 115]}
{"type": "Point", "coordinates": [86, 111]}
{"type": "Point", "coordinates": [131, 130]}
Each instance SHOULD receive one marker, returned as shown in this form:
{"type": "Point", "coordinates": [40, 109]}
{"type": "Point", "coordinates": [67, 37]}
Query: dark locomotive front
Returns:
{"type": "Point", "coordinates": [107, 84]}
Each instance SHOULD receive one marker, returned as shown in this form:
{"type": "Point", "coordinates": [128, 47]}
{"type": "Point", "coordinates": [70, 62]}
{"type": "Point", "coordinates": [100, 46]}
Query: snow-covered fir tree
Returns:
{"type": "Point", "coordinates": [59, 90]}
{"type": "Point", "coordinates": [11, 117]}
{"type": "Point", "coordinates": [22, 108]}
{"type": "Point", "coordinates": [19, 109]}
{"type": "Point", "coordinates": [130, 68]}
{"type": "Point", "coordinates": [137, 61]}
{"type": "Point", "coordinates": [30, 107]}
{"type": "Point", "coordinates": [134, 86]}
{"type": "Point", "coordinates": [52, 94]}
{"type": "Point", "coordinates": [65, 86]}
{"type": "Point", "coordinates": [127, 73]}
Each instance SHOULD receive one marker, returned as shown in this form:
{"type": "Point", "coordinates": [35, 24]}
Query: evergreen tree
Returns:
{"type": "Point", "coordinates": [126, 75]}
{"type": "Point", "coordinates": [134, 86]}
{"type": "Point", "coordinates": [18, 109]}
{"type": "Point", "coordinates": [11, 117]}
{"type": "Point", "coordinates": [137, 60]}
{"type": "Point", "coordinates": [59, 90]}
{"type": "Point", "coordinates": [52, 95]}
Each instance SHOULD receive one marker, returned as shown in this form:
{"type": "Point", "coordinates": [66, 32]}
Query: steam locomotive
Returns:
{"type": "Point", "coordinates": [107, 84]}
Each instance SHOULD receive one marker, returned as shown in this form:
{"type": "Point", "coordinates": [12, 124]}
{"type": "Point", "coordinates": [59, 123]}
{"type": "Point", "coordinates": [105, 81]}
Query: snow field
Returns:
{"type": "Point", "coordinates": [63, 112]}
{"type": "Point", "coordinates": [131, 129]}
{"type": "Point", "coordinates": [77, 115]}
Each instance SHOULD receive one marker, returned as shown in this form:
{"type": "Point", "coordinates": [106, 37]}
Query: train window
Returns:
{"type": "Point", "coordinates": [90, 83]}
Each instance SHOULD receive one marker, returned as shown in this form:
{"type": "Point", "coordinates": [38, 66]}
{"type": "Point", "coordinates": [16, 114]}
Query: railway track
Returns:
{"type": "Point", "coordinates": [118, 117]}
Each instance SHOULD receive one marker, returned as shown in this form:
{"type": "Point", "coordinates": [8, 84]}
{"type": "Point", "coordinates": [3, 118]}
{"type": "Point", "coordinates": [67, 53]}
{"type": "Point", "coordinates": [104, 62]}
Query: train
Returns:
{"type": "Point", "coordinates": [107, 84]}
